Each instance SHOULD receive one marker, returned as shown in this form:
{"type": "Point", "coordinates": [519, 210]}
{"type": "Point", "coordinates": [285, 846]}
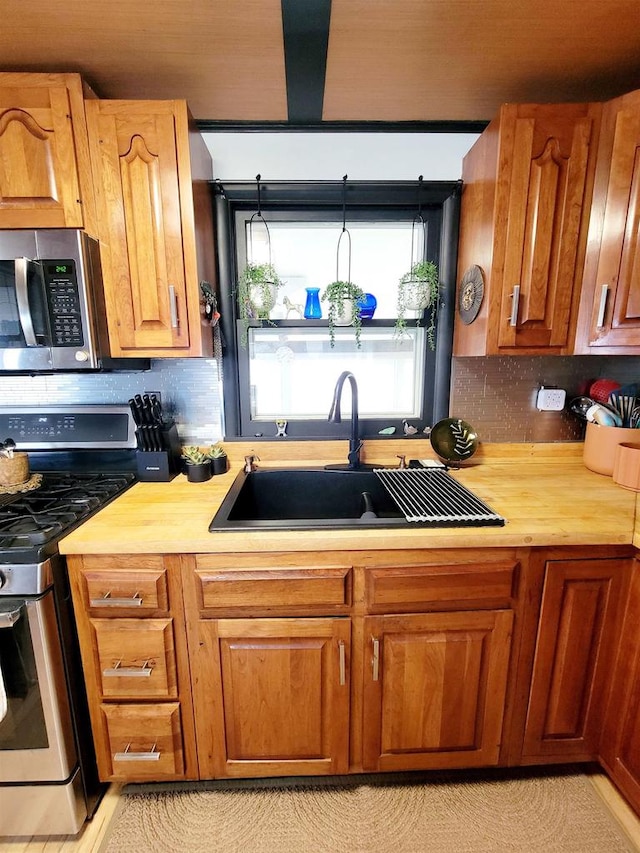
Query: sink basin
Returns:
{"type": "Point", "coordinates": [320, 498]}
{"type": "Point", "coordinates": [299, 498]}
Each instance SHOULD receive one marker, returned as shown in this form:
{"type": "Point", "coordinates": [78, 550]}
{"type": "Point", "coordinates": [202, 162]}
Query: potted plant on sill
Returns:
{"type": "Point", "coordinates": [343, 298]}
{"type": "Point", "coordinates": [257, 293]}
{"type": "Point", "coordinates": [418, 290]}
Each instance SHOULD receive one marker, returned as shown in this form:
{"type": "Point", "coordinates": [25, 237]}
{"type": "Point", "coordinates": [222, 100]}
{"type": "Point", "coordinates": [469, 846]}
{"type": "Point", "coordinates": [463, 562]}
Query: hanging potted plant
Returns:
{"type": "Point", "coordinates": [342, 298]}
{"type": "Point", "coordinates": [418, 290]}
{"type": "Point", "coordinates": [257, 291]}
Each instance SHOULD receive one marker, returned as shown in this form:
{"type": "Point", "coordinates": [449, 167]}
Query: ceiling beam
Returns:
{"type": "Point", "coordinates": [306, 39]}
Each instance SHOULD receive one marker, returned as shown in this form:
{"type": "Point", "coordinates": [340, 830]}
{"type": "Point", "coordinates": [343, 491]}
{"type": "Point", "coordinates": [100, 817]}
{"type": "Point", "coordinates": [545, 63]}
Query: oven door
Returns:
{"type": "Point", "coordinates": [36, 735]}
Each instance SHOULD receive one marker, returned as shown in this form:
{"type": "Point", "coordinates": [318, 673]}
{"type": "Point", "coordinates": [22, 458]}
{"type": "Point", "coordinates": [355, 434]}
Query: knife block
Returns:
{"type": "Point", "coordinates": [161, 466]}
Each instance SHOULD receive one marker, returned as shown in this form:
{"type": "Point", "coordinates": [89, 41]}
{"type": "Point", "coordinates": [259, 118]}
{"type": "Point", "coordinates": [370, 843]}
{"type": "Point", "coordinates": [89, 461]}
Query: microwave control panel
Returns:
{"type": "Point", "coordinates": [63, 300]}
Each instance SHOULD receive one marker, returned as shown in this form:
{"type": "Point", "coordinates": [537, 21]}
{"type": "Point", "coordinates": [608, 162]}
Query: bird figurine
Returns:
{"type": "Point", "coordinates": [408, 429]}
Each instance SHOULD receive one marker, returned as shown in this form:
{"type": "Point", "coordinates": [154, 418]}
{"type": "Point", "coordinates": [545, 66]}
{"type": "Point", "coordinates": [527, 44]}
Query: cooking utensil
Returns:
{"type": "Point", "coordinates": [600, 390]}
{"type": "Point", "coordinates": [624, 403]}
{"type": "Point", "coordinates": [603, 415]}
{"type": "Point", "coordinates": [580, 406]}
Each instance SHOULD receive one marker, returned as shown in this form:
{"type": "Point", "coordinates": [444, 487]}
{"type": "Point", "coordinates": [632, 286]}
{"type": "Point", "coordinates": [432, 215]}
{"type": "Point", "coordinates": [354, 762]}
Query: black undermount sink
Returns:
{"type": "Point", "coordinates": [317, 498]}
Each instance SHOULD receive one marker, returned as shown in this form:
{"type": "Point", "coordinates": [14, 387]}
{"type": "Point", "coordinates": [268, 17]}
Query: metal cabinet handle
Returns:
{"type": "Point", "coordinates": [22, 299]}
{"type": "Point", "coordinates": [173, 306]}
{"type": "Point", "coordinates": [375, 661]}
{"type": "Point", "coordinates": [127, 755]}
{"type": "Point", "coordinates": [118, 671]}
{"type": "Point", "coordinates": [515, 297]}
{"type": "Point", "coordinates": [343, 663]}
{"type": "Point", "coordinates": [108, 601]}
{"type": "Point", "coordinates": [602, 307]}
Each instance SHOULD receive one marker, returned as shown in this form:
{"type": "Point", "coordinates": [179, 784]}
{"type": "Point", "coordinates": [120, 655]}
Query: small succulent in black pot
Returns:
{"type": "Point", "coordinates": [197, 464]}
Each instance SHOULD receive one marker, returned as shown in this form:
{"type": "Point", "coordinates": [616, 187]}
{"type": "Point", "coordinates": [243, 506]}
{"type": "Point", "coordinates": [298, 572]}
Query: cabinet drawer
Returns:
{"type": "Point", "coordinates": [277, 589]}
{"type": "Point", "coordinates": [136, 658]}
{"type": "Point", "coordinates": [134, 591]}
{"type": "Point", "coordinates": [144, 742]}
{"type": "Point", "coordinates": [440, 587]}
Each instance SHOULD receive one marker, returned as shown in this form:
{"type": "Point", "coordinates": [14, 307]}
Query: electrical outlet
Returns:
{"type": "Point", "coordinates": [551, 399]}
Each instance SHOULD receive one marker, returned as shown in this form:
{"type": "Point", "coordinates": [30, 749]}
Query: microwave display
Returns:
{"type": "Point", "coordinates": [63, 300]}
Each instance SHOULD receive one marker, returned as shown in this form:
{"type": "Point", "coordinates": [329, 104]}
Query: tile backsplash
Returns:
{"type": "Point", "coordinates": [190, 390]}
{"type": "Point", "coordinates": [496, 395]}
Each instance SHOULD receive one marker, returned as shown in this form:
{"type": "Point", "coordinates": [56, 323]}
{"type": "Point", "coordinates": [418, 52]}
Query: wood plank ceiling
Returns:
{"type": "Point", "coordinates": [279, 61]}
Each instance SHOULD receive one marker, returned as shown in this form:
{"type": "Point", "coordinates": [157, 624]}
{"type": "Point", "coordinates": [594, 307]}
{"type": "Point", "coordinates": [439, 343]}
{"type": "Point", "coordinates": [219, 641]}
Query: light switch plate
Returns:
{"type": "Point", "coordinates": [551, 399]}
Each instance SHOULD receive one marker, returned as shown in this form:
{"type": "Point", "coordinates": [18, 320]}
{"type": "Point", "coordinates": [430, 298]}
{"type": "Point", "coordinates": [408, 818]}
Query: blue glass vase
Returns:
{"type": "Point", "coordinates": [367, 306]}
{"type": "Point", "coordinates": [312, 309]}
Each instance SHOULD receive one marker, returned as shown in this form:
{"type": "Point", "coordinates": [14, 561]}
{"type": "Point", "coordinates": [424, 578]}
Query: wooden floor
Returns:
{"type": "Point", "coordinates": [87, 841]}
{"type": "Point", "coordinates": [93, 834]}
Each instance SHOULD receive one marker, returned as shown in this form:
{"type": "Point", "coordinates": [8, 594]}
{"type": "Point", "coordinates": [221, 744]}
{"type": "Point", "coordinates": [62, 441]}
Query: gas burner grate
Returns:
{"type": "Point", "coordinates": [432, 496]}
{"type": "Point", "coordinates": [37, 517]}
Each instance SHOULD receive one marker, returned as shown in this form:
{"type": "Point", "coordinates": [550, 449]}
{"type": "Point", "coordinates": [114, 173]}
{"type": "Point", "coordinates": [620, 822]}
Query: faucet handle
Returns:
{"type": "Point", "coordinates": [250, 463]}
{"type": "Point", "coordinates": [403, 462]}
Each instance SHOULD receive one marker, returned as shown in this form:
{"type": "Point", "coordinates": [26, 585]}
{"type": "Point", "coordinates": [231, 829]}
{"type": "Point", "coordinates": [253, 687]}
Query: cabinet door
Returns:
{"type": "Point", "coordinates": [142, 168]}
{"type": "Point", "coordinates": [546, 178]}
{"type": "Point", "coordinates": [434, 689]}
{"type": "Point", "coordinates": [620, 751]}
{"type": "Point", "coordinates": [573, 657]}
{"type": "Point", "coordinates": [612, 284]}
{"type": "Point", "coordinates": [43, 139]}
{"type": "Point", "coordinates": [524, 218]}
{"type": "Point", "coordinates": [272, 697]}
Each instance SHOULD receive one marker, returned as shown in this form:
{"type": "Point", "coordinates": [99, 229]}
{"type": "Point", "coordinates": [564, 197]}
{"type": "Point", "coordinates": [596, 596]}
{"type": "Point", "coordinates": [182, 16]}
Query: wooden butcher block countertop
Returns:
{"type": "Point", "coordinates": [544, 492]}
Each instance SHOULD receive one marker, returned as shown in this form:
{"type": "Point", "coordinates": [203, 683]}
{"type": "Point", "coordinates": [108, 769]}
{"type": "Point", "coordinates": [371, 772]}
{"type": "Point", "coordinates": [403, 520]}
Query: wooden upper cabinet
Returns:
{"type": "Point", "coordinates": [609, 321]}
{"type": "Point", "coordinates": [151, 169]}
{"type": "Point", "coordinates": [45, 176]}
{"type": "Point", "coordinates": [527, 185]}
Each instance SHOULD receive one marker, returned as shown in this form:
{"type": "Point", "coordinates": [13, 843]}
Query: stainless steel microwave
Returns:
{"type": "Point", "coordinates": [50, 297]}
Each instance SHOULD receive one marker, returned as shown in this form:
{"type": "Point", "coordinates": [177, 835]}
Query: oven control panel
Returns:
{"type": "Point", "coordinates": [70, 427]}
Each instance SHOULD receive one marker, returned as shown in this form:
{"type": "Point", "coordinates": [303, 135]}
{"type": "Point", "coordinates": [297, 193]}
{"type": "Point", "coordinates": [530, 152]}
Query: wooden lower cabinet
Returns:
{"type": "Point", "coordinates": [434, 689]}
{"type": "Point", "coordinates": [143, 742]}
{"type": "Point", "coordinates": [130, 616]}
{"type": "Point", "coordinates": [620, 749]}
{"type": "Point", "coordinates": [272, 696]}
{"type": "Point", "coordinates": [578, 627]}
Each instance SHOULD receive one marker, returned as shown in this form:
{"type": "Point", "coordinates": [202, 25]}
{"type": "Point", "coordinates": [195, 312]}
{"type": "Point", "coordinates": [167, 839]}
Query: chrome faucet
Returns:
{"type": "Point", "coordinates": [334, 416]}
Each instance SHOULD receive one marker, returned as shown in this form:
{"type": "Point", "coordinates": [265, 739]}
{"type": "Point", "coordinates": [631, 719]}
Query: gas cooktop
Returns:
{"type": "Point", "coordinates": [31, 523]}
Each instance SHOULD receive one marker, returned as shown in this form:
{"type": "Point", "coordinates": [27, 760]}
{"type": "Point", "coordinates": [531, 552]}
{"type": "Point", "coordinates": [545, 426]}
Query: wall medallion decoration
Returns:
{"type": "Point", "coordinates": [471, 294]}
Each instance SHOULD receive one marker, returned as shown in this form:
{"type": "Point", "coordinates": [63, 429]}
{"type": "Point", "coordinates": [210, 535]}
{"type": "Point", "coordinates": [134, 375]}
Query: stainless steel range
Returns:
{"type": "Point", "coordinates": [80, 458]}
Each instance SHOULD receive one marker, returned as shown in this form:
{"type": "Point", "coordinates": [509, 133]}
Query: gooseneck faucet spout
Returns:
{"type": "Point", "coordinates": [334, 415]}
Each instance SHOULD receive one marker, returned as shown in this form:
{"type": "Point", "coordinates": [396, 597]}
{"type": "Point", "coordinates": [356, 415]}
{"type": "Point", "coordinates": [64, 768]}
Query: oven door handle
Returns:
{"type": "Point", "coordinates": [22, 298]}
{"type": "Point", "coordinates": [8, 618]}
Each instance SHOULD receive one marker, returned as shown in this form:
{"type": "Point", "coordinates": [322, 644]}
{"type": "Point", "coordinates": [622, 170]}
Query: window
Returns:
{"type": "Point", "coordinates": [286, 368]}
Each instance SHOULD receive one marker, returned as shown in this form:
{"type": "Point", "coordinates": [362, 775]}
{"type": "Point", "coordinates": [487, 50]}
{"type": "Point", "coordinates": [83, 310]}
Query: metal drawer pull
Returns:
{"type": "Point", "coordinates": [127, 755]}
{"type": "Point", "coordinates": [119, 671]}
{"type": "Point", "coordinates": [343, 663]}
{"type": "Point", "coordinates": [375, 661]}
{"type": "Point", "coordinates": [173, 307]}
{"type": "Point", "coordinates": [107, 601]}
{"type": "Point", "coordinates": [604, 291]}
{"type": "Point", "coordinates": [515, 296]}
